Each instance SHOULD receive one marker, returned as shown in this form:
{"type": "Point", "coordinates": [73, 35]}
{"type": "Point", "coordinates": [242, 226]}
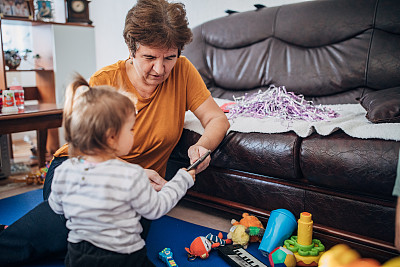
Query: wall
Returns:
{"type": "Point", "coordinates": [109, 21]}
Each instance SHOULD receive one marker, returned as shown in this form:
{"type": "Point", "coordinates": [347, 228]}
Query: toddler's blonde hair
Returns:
{"type": "Point", "coordinates": [92, 114]}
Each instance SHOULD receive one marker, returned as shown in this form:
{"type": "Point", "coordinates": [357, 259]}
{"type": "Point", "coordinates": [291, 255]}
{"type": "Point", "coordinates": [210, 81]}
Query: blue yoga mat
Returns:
{"type": "Point", "coordinates": [166, 232]}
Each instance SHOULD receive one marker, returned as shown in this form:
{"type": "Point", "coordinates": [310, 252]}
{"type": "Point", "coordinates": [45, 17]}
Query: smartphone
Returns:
{"type": "Point", "coordinates": [198, 161]}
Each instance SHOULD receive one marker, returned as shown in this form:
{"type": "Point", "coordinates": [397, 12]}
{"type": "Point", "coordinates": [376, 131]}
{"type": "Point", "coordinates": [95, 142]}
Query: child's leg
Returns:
{"type": "Point", "coordinates": [397, 225]}
{"type": "Point", "coordinates": [86, 254]}
{"type": "Point", "coordinates": [39, 233]}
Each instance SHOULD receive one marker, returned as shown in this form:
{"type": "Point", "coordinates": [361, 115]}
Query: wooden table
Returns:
{"type": "Point", "coordinates": [34, 117]}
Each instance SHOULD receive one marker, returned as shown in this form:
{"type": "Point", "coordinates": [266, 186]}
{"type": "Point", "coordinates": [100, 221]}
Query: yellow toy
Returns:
{"type": "Point", "coordinates": [395, 262]}
{"type": "Point", "coordinates": [250, 221]}
{"type": "Point", "coordinates": [306, 249]}
{"type": "Point", "coordinates": [238, 235]}
{"type": "Point", "coordinates": [338, 255]}
{"type": "Point", "coordinates": [343, 256]}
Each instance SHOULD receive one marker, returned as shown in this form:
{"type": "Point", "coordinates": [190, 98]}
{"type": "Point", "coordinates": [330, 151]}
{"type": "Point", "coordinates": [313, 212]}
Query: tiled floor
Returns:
{"type": "Point", "coordinates": [185, 210]}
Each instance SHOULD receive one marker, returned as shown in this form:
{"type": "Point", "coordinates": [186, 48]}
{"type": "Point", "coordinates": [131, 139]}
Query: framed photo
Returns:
{"type": "Point", "coordinates": [44, 10]}
{"type": "Point", "coordinates": [16, 9]}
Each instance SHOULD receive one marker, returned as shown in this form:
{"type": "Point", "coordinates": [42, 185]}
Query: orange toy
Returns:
{"type": "Point", "coordinates": [200, 247]}
{"type": "Point", "coordinates": [364, 263]}
{"type": "Point", "coordinates": [247, 221]}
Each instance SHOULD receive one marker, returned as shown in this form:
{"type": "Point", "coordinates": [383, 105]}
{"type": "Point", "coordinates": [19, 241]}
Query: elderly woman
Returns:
{"type": "Point", "coordinates": [166, 85]}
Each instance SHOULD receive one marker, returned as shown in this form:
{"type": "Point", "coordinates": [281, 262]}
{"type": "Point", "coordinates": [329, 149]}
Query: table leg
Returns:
{"type": "Point", "coordinates": [10, 142]}
{"type": "Point", "coordinates": [41, 137]}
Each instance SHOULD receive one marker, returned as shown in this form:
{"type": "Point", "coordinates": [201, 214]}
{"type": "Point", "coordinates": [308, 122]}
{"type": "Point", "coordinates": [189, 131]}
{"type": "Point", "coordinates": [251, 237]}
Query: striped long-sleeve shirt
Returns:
{"type": "Point", "coordinates": [104, 202]}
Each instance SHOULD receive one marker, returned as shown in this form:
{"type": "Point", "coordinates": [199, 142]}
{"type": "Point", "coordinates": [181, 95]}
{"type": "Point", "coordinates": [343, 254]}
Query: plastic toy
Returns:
{"type": "Point", "coordinates": [218, 239]}
{"type": "Point", "coordinates": [225, 107]}
{"type": "Point", "coordinates": [200, 247]}
{"type": "Point", "coordinates": [238, 235]}
{"type": "Point", "coordinates": [392, 262]}
{"type": "Point", "coordinates": [364, 263]}
{"type": "Point", "coordinates": [343, 256]}
{"type": "Point", "coordinates": [250, 221]}
{"type": "Point", "coordinates": [306, 250]}
{"type": "Point", "coordinates": [166, 256]}
{"type": "Point", "coordinates": [338, 255]}
{"type": "Point", "coordinates": [37, 177]}
{"type": "Point", "coordinates": [255, 231]}
{"type": "Point", "coordinates": [282, 257]}
{"type": "Point", "coordinates": [280, 226]}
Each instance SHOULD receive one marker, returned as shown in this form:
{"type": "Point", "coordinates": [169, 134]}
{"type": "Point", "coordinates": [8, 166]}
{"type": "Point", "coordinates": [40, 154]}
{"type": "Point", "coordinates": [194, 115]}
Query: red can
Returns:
{"type": "Point", "coordinates": [19, 96]}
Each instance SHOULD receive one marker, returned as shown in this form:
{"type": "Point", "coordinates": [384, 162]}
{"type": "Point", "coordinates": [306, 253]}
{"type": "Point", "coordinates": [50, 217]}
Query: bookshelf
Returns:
{"type": "Point", "coordinates": [64, 48]}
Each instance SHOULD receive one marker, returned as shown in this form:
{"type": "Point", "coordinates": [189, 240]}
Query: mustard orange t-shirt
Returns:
{"type": "Point", "coordinates": [160, 118]}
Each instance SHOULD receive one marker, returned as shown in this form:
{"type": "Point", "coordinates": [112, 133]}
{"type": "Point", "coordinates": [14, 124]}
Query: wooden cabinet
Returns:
{"type": "Point", "coordinates": [64, 48]}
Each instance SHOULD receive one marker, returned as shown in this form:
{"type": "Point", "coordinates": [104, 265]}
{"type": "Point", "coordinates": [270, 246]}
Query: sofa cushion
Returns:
{"type": "Point", "coordinates": [382, 106]}
{"type": "Point", "coordinates": [273, 155]}
{"type": "Point", "coordinates": [350, 165]}
{"type": "Point", "coordinates": [336, 212]}
{"type": "Point", "coordinates": [255, 191]}
{"type": "Point", "coordinates": [313, 62]}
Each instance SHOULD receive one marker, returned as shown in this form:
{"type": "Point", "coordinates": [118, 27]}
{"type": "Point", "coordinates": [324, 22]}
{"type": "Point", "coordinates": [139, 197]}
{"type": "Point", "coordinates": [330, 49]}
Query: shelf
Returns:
{"type": "Point", "coordinates": [52, 41]}
{"type": "Point", "coordinates": [31, 93]}
{"type": "Point", "coordinates": [29, 22]}
{"type": "Point", "coordinates": [36, 70]}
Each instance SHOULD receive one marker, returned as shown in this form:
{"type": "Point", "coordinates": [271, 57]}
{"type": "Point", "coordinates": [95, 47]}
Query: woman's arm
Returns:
{"type": "Point", "coordinates": [215, 125]}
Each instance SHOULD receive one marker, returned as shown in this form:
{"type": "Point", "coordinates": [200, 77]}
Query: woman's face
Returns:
{"type": "Point", "coordinates": [153, 65]}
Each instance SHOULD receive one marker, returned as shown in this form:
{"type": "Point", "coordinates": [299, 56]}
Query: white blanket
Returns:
{"type": "Point", "coordinates": [352, 121]}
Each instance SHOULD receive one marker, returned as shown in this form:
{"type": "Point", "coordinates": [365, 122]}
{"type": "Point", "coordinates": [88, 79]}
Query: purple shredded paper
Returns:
{"type": "Point", "coordinates": [278, 103]}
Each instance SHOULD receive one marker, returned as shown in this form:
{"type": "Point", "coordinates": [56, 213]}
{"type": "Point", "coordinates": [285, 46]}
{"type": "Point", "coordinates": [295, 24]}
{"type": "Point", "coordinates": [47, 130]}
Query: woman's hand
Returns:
{"type": "Point", "coordinates": [215, 126]}
{"type": "Point", "coordinates": [195, 152]}
{"type": "Point", "coordinates": [156, 181]}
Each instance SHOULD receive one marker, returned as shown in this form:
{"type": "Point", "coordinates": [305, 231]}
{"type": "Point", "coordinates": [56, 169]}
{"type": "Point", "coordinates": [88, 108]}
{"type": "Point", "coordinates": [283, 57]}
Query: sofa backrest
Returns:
{"type": "Point", "coordinates": [331, 51]}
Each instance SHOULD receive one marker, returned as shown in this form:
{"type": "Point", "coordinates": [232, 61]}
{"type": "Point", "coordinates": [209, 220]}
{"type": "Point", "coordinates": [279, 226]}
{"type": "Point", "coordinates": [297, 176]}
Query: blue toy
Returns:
{"type": "Point", "coordinates": [280, 227]}
{"type": "Point", "coordinates": [166, 256]}
{"type": "Point", "coordinates": [218, 239]}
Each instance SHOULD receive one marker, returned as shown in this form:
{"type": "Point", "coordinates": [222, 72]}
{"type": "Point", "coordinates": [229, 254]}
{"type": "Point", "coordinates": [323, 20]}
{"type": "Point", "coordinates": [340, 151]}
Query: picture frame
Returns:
{"type": "Point", "coordinates": [16, 9]}
{"type": "Point", "coordinates": [44, 10]}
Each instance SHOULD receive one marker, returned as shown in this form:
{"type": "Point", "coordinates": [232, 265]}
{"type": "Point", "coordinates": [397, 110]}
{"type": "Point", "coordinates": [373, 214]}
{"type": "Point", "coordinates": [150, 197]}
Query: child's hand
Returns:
{"type": "Point", "coordinates": [192, 173]}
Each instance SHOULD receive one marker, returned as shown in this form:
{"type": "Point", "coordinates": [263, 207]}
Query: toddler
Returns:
{"type": "Point", "coordinates": [102, 197]}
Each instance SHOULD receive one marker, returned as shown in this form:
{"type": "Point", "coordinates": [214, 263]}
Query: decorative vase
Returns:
{"type": "Point", "coordinates": [12, 59]}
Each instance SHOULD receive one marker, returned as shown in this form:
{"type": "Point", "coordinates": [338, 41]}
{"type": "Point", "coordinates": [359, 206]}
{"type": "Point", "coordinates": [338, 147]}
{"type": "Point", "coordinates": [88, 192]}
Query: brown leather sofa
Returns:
{"type": "Point", "coordinates": [332, 52]}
